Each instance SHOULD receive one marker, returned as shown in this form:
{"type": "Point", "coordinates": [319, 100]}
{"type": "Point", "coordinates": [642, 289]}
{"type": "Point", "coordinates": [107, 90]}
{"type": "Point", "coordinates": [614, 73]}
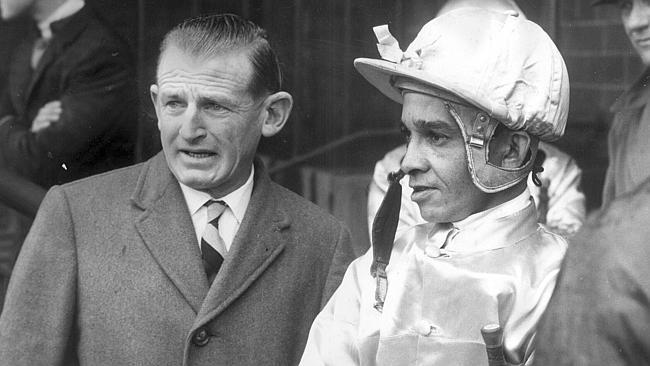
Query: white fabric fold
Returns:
{"type": "Point", "coordinates": [436, 304]}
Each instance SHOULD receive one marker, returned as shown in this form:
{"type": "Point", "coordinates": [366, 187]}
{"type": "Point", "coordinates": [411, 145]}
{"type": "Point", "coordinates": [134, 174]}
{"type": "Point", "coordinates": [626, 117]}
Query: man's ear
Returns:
{"type": "Point", "coordinates": [278, 107]}
{"type": "Point", "coordinates": [515, 149]}
{"type": "Point", "coordinates": [153, 92]}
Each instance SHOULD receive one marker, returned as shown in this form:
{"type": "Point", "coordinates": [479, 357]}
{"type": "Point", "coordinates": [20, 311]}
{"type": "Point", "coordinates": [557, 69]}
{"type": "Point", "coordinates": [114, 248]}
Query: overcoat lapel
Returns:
{"type": "Point", "coordinates": [166, 228]}
{"type": "Point", "coordinates": [260, 239]}
{"type": "Point", "coordinates": [20, 76]}
{"type": "Point", "coordinates": [65, 32]}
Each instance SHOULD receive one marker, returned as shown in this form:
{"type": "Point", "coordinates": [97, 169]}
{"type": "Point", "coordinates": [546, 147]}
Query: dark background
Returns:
{"type": "Point", "coordinates": [317, 42]}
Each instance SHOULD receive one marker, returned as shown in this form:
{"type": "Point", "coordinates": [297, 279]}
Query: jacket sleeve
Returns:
{"type": "Point", "coordinates": [38, 316]}
{"type": "Point", "coordinates": [343, 255]}
{"type": "Point", "coordinates": [98, 93]}
{"type": "Point", "coordinates": [333, 336]}
{"type": "Point", "coordinates": [534, 289]}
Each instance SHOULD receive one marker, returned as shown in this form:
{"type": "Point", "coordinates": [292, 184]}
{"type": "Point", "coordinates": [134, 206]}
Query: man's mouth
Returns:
{"type": "Point", "coordinates": [421, 193]}
{"type": "Point", "coordinates": [198, 154]}
{"type": "Point", "coordinates": [643, 42]}
{"type": "Point", "coordinates": [420, 188]}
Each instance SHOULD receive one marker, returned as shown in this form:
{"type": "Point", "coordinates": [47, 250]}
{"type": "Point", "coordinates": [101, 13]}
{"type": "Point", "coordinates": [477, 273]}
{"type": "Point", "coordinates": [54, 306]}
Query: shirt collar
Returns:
{"type": "Point", "coordinates": [505, 209]}
{"type": "Point", "coordinates": [237, 200]}
{"type": "Point", "coordinates": [65, 10]}
{"type": "Point", "coordinates": [497, 227]}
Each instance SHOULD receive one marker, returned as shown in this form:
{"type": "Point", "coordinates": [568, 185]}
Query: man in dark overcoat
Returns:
{"type": "Point", "coordinates": [69, 108]}
{"type": "Point", "coordinates": [194, 257]}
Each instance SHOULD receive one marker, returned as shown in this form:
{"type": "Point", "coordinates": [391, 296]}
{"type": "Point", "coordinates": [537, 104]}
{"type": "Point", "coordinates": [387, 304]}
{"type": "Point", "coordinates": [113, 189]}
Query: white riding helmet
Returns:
{"type": "Point", "coordinates": [498, 62]}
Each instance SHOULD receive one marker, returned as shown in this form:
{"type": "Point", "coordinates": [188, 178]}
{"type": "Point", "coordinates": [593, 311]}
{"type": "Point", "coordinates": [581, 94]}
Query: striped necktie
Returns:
{"type": "Point", "coordinates": [213, 247]}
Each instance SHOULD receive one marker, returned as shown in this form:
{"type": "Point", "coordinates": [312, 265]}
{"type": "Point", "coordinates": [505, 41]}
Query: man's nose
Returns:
{"type": "Point", "coordinates": [638, 17]}
{"type": "Point", "coordinates": [192, 127]}
{"type": "Point", "coordinates": [414, 160]}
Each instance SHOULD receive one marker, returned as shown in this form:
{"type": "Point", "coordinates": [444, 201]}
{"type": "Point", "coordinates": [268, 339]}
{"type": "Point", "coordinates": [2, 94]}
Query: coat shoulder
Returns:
{"type": "Point", "coordinates": [304, 211]}
{"type": "Point", "coordinates": [107, 186]}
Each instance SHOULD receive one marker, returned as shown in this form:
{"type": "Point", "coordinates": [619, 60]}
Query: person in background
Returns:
{"type": "Point", "coordinates": [69, 108]}
{"type": "Point", "coordinates": [559, 200]}
{"type": "Point", "coordinates": [600, 313]}
{"type": "Point", "coordinates": [629, 157]}
{"type": "Point", "coordinates": [194, 257]}
{"type": "Point", "coordinates": [481, 258]}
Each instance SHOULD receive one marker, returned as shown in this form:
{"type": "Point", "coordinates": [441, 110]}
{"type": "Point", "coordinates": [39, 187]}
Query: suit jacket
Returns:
{"type": "Point", "coordinates": [88, 68]}
{"type": "Point", "coordinates": [111, 274]}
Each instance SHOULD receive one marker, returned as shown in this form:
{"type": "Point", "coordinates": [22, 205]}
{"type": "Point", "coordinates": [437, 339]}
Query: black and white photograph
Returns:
{"type": "Point", "coordinates": [324, 183]}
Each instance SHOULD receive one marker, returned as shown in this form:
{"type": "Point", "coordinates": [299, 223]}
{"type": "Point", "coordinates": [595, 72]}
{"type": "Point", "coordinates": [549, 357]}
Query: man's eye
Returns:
{"type": "Point", "coordinates": [173, 104]}
{"type": "Point", "coordinates": [214, 107]}
{"type": "Point", "coordinates": [406, 133]}
{"type": "Point", "coordinates": [436, 137]}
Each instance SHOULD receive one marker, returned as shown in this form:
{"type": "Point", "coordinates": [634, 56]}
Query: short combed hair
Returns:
{"type": "Point", "coordinates": [211, 35]}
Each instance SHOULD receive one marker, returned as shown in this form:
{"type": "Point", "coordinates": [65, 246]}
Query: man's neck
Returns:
{"type": "Point", "coordinates": [506, 195]}
{"type": "Point", "coordinates": [516, 203]}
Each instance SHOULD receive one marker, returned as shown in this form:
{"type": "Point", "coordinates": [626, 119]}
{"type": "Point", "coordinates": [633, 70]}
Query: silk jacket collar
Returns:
{"type": "Point", "coordinates": [491, 231]}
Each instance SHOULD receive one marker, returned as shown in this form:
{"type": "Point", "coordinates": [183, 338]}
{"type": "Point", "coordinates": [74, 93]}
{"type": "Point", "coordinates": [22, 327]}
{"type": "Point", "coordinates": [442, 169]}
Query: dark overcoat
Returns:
{"type": "Point", "coordinates": [111, 274]}
{"type": "Point", "coordinates": [87, 67]}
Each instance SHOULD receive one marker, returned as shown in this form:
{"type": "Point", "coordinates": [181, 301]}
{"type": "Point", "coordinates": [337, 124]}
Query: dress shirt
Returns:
{"type": "Point", "coordinates": [499, 267]}
{"type": "Point", "coordinates": [231, 218]}
{"type": "Point", "coordinates": [65, 10]}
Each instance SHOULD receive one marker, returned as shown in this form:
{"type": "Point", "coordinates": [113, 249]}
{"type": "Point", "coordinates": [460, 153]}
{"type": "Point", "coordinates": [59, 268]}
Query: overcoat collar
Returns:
{"type": "Point", "coordinates": [261, 238]}
{"type": "Point", "coordinates": [166, 228]}
{"type": "Point", "coordinates": [20, 77]}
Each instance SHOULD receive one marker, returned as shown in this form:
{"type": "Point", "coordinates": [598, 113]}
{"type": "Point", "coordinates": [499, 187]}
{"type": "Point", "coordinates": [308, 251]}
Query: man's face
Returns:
{"type": "Point", "coordinates": [209, 122]}
{"type": "Point", "coordinates": [636, 21]}
{"type": "Point", "coordinates": [436, 162]}
{"type": "Point", "coordinates": [10, 9]}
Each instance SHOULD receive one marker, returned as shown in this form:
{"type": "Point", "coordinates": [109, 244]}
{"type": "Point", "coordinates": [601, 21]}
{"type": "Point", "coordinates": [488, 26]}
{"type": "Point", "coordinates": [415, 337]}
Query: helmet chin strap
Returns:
{"type": "Point", "coordinates": [383, 235]}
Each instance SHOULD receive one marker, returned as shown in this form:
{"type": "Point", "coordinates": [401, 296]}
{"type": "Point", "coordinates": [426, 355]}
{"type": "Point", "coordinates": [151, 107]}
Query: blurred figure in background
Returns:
{"type": "Point", "coordinates": [629, 154]}
{"type": "Point", "coordinates": [559, 200]}
{"type": "Point", "coordinates": [70, 106]}
{"type": "Point", "coordinates": [600, 311]}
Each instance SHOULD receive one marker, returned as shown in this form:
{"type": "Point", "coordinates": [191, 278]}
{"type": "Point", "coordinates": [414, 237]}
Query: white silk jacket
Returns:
{"type": "Point", "coordinates": [500, 266]}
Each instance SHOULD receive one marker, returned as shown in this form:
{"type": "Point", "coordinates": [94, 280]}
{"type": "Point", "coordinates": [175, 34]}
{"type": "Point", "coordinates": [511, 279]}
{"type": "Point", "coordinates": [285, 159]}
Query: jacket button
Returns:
{"type": "Point", "coordinates": [201, 337]}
